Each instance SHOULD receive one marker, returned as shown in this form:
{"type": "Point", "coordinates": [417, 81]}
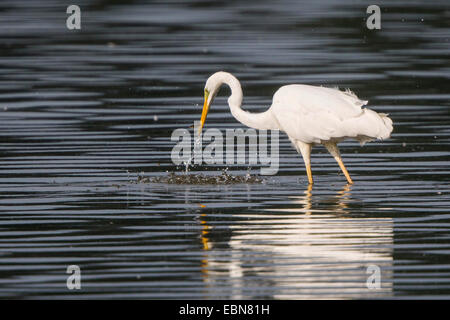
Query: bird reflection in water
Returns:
{"type": "Point", "coordinates": [292, 255]}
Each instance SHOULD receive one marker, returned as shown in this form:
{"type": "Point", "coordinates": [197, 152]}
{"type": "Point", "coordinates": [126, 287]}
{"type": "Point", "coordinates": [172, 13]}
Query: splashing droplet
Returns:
{"type": "Point", "coordinates": [224, 178]}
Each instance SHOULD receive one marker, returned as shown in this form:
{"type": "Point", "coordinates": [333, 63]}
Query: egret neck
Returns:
{"type": "Point", "coordinates": [261, 121]}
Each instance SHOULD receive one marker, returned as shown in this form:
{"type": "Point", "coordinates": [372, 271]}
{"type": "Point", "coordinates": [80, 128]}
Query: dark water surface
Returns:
{"type": "Point", "coordinates": [86, 116]}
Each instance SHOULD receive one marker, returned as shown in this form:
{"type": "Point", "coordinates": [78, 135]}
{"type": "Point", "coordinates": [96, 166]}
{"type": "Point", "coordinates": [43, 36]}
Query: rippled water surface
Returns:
{"type": "Point", "coordinates": [85, 124]}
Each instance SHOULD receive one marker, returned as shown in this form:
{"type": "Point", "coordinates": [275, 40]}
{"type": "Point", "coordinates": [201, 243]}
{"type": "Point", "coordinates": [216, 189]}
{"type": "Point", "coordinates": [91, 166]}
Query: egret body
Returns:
{"type": "Point", "coordinates": [309, 115]}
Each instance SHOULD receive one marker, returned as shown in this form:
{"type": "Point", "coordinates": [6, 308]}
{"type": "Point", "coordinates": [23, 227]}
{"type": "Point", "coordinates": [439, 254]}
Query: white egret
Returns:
{"type": "Point", "coordinates": [309, 115]}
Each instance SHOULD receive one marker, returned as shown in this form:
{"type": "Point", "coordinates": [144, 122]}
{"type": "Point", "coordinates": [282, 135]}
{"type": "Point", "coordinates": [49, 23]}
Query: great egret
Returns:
{"type": "Point", "coordinates": [309, 115]}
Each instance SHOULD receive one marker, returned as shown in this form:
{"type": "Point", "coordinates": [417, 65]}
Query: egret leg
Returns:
{"type": "Point", "coordinates": [334, 150]}
{"type": "Point", "coordinates": [305, 150]}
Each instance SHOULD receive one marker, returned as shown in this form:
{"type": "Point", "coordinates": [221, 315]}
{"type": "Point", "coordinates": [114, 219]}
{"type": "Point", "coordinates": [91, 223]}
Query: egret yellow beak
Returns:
{"type": "Point", "coordinates": [204, 112]}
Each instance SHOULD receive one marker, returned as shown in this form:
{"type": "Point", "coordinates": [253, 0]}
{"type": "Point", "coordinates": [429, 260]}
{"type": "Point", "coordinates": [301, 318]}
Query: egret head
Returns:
{"type": "Point", "coordinates": [212, 87]}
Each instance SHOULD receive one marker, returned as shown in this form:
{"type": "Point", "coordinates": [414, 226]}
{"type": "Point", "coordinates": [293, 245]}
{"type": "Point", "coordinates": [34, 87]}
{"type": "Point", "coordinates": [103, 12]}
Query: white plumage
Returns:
{"type": "Point", "coordinates": [317, 114]}
{"type": "Point", "coordinates": [308, 115]}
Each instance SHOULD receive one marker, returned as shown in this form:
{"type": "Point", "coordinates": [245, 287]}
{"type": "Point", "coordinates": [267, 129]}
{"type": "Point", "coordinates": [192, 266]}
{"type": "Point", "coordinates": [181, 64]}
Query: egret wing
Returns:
{"type": "Point", "coordinates": [312, 114]}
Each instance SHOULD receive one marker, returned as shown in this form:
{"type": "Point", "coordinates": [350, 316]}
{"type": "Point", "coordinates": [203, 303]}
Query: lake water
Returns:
{"type": "Point", "coordinates": [86, 115]}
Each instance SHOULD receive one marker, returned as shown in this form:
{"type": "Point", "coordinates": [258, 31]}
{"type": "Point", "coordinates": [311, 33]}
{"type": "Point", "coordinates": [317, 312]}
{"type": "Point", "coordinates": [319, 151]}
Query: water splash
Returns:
{"type": "Point", "coordinates": [197, 148]}
{"type": "Point", "coordinates": [224, 178]}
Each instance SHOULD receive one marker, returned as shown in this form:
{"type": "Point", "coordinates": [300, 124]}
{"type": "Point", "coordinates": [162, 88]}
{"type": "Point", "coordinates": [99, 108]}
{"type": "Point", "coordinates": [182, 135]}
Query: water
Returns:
{"type": "Point", "coordinates": [85, 124]}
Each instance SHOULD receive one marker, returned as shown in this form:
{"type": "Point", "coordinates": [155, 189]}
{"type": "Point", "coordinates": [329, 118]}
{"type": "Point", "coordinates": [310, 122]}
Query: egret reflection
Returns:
{"type": "Point", "coordinates": [279, 253]}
